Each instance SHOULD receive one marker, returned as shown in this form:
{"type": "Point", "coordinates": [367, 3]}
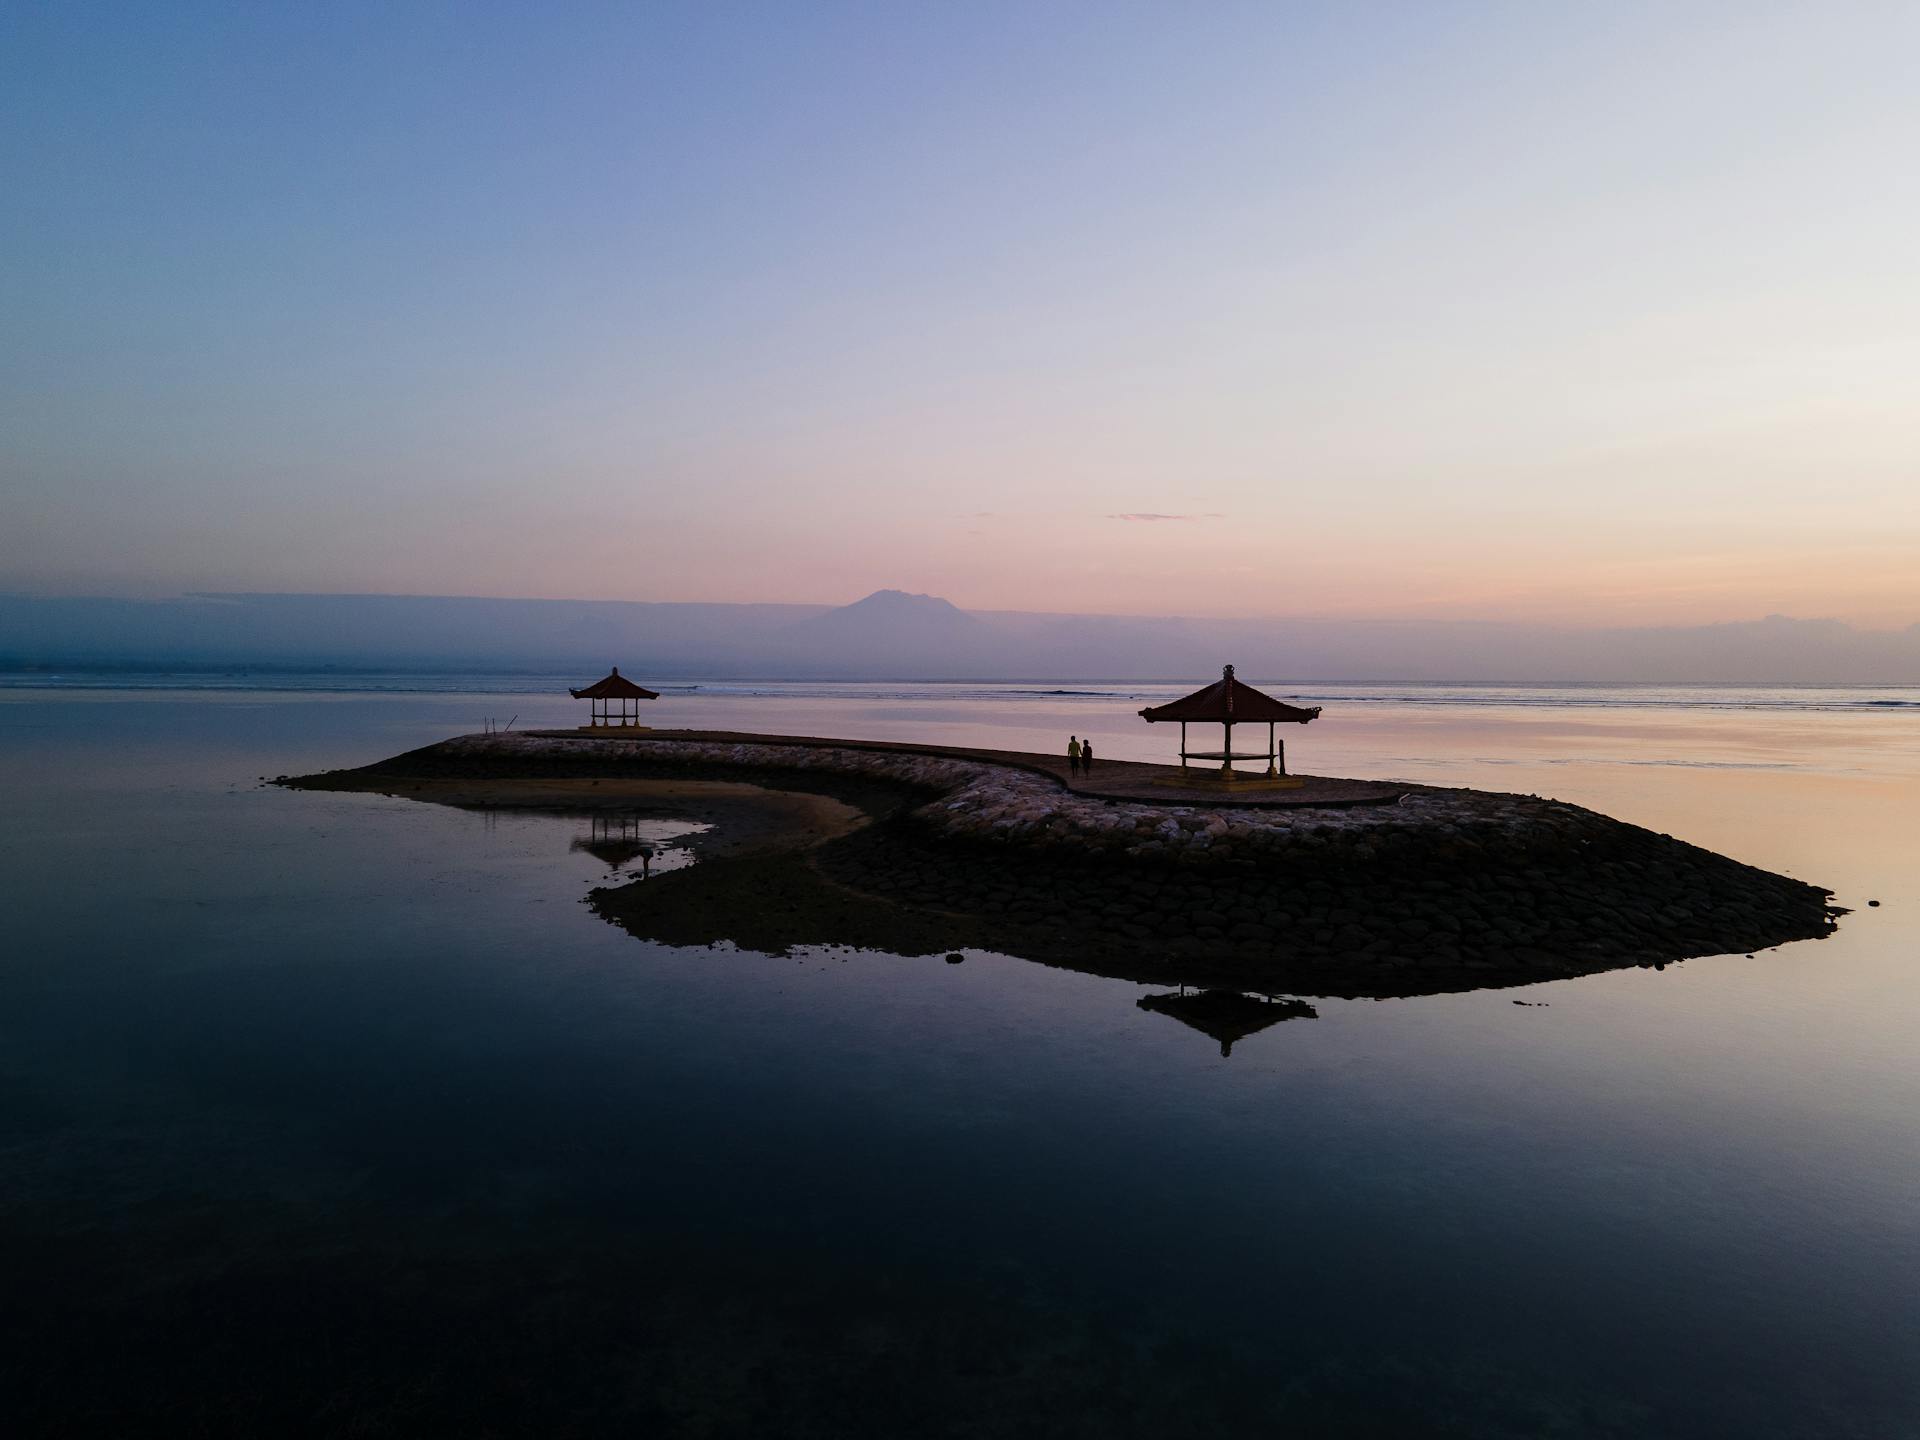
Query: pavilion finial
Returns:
{"type": "Point", "coordinates": [1226, 672]}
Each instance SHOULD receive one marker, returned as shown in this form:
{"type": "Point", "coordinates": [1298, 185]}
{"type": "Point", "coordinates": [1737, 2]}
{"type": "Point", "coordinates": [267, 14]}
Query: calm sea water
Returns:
{"type": "Point", "coordinates": [342, 1114]}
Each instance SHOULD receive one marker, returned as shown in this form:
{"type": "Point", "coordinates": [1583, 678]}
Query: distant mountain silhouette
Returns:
{"type": "Point", "coordinates": [894, 634]}
{"type": "Point", "coordinates": [893, 613]}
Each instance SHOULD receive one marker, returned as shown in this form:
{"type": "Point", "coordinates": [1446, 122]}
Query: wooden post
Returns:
{"type": "Point", "coordinates": [1226, 765]}
{"type": "Point", "coordinates": [1183, 744]}
{"type": "Point", "coordinates": [1270, 769]}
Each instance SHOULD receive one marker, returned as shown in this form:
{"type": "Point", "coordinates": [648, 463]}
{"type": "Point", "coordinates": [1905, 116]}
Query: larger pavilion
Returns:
{"type": "Point", "coordinates": [1229, 702]}
{"type": "Point", "coordinates": [614, 700]}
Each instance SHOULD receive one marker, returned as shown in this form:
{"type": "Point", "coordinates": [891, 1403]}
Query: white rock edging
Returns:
{"type": "Point", "coordinates": [984, 802]}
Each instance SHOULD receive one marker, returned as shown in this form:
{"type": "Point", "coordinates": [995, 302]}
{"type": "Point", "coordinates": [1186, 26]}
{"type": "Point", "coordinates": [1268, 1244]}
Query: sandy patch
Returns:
{"type": "Point", "coordinates": [746, 818]}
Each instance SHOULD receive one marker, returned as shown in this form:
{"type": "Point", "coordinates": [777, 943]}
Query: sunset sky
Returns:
{"type": "Point", "coordinates": [1593, 313]}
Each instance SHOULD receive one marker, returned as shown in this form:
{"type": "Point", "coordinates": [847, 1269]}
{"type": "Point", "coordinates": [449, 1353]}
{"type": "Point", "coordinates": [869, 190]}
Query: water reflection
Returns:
{"type": "Point", "coordinates": [401, 1171]}
{"type": "Point", "coordinates": [770, 881]}
{"type": "Point", "coordinates": [632, 844]}
{"type": "Point", "coordinates": [617, 840]}
{"type": "Point", "coordinates": [1227, 1015]}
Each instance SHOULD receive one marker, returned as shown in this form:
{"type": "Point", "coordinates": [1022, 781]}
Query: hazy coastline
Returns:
{"type": "Point", "coordinates": [922, 637]}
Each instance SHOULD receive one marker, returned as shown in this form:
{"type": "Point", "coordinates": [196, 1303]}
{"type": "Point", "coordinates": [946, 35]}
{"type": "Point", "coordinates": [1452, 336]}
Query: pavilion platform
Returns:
{"type": "Point", "coordinates": [1130, 780]}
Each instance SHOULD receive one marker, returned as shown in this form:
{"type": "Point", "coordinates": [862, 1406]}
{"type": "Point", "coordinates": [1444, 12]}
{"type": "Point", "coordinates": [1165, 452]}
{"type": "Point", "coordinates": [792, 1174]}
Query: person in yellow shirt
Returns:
{"type": "Point", "coordinates": [1073, 754]}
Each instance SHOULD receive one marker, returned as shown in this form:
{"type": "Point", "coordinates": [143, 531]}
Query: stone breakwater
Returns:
{"type": "Point", "coordinates": [1444, 888]}
{"type": "Point", "coordinates": [993, 803]}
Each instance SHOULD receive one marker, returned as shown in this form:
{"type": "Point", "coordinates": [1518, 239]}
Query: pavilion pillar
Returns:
{"type": "Point", "coordinates": [1183, 744]}
{"type": "Point", "coordinates": [1226, 764]}
{"type": "Point", "coordinates": [1270, 743]}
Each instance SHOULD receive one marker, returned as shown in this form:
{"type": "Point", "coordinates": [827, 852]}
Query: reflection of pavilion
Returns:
{"type": "Point", "coordinates": [1227, 1015]}
{"type": "Point", "coordinates": [614, 839]}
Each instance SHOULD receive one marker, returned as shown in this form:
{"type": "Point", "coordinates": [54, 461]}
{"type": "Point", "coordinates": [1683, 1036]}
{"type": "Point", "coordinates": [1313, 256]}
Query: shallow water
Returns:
{"type": "Point", "coordinates": [339, 1113]}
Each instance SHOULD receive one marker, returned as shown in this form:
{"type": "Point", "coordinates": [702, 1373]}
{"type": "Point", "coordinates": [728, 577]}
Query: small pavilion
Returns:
{"type": "Point", "coordinates": [614, 701]}
{"type": "Point", "coordinates": [1230, 702]}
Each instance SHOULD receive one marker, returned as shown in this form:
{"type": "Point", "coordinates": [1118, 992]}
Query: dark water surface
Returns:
{"type": "Point", "coordinates": [342, 1114]}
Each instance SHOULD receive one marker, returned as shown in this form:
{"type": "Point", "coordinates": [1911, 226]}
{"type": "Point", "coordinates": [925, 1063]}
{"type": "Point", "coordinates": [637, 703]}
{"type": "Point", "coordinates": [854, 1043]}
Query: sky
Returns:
{"type": "Point", "coordinates": [1590, 314]}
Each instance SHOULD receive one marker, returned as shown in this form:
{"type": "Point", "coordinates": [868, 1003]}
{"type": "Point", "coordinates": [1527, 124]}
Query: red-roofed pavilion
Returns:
{"type": "Point", "coordinates": [1230, 702]}
{"type": "Point", "coordinates": [615, 700]}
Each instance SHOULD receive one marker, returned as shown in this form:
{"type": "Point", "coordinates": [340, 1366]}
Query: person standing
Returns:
{"type": "Point", "coordinates": [1073, 754]}
{"type": "Point", "coordinates": [1086, 757]}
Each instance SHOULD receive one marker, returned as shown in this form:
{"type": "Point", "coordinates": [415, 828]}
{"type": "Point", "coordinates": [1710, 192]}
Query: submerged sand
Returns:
{"type": "Point", "coordinates": [747, 818]}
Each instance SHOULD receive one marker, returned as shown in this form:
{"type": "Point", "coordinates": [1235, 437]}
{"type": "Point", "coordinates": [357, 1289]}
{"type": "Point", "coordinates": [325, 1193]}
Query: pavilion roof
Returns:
{"type": "Point", "coordinates": [614, 687]}
{"type": "Point", "coordinates": [1230, 700]}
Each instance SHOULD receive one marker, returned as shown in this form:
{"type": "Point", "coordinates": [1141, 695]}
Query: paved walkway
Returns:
{"type": "Point", "coordinates": [1110, 780]}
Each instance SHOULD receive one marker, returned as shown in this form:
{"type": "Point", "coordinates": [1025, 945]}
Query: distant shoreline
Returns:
{"type": "Point", "coordinates": [507, 685]}
{"type": "Point", "coordinates": [926, 638]}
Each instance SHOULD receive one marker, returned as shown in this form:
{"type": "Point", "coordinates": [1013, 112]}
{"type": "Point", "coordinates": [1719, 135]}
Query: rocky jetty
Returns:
{"type": "Point", "coordinates": [1442, 890]}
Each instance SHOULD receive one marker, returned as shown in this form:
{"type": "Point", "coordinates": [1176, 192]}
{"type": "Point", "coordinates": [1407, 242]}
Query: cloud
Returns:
{"type": "Point", "coordinates": [1149, 515]}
